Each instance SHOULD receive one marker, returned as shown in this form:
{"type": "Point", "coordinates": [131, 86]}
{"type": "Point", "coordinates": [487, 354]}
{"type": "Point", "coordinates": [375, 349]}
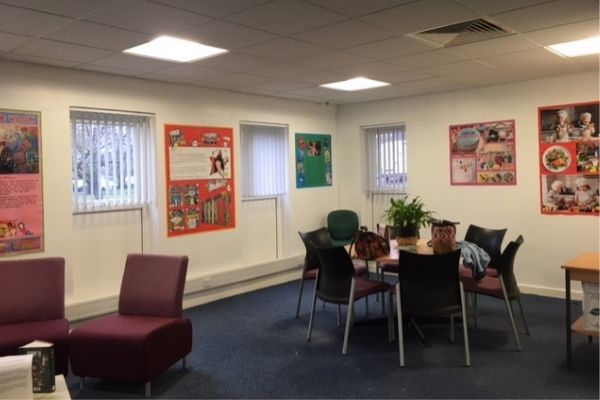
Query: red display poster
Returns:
{"type": "Point", "coordinates": [568, 154]}
{"type": "Point", "coordinates": [200, 183]}
{"type": "Point", "coordinates": [21, 200]}
{"type": "Point", "coordinates": [483, 153]}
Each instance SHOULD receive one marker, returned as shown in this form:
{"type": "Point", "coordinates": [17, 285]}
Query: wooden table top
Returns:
{"type": "Point", "coordinates": [589, 261]}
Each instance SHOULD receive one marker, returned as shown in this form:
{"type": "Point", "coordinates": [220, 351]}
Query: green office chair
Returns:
{"type": "Point", "coordinates": [342, 226]}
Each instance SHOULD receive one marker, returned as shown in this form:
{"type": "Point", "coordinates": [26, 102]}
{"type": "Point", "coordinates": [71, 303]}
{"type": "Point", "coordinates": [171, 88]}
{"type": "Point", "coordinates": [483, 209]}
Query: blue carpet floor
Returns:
{"type": "Point", "coordinates": [251, 347]}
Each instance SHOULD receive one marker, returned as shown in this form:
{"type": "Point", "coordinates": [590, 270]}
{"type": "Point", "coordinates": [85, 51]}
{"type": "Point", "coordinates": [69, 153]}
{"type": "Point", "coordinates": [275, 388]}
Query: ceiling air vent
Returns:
{"type": "Point", "coordinates": [463, 32]}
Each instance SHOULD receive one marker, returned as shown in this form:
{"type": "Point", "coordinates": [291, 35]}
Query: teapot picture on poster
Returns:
{"type": "Point", "coordinates": [568, 158]}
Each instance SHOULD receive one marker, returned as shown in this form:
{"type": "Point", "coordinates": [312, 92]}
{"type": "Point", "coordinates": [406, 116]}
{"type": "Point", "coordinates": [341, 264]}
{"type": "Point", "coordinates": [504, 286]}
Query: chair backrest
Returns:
{"type": "Point", "coordinates": [489, 240]}
{"type": "Point", "coordinates": [321, 238]}
{"type": "Point", "coordinates": [507, 266]}
{"type": "Point", "coordinates": [342, 225]}
{"type": "Point", "coordinates": [153, 285]}
{"type": "Point", "coordinates": [429, 283]}
{"type": "Point", "coordinates": [335, 274]}
{"type": "Point", "coordinates": [32, 290]}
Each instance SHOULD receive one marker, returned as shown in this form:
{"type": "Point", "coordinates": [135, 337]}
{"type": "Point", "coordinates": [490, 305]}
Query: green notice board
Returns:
{"type": "Point", "coordinates": [313, 160]}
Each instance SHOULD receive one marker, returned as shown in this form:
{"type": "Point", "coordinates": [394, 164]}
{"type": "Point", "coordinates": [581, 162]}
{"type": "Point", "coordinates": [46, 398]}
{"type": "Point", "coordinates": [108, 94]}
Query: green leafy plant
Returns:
{"type": "Point", "coordinates": [408, 214]}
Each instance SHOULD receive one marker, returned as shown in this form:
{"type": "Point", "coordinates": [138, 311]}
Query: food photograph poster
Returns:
{"type": "Point", "coordinates": [568, 154]}
{"type": "Point", "coordinates": [21, 200]}
{"type": "Point", "coordinates": [483, 153]}
{"type": "Point", "coordinates": [200, 183]}
{"type": "Point", "coordinates": [313, 160]}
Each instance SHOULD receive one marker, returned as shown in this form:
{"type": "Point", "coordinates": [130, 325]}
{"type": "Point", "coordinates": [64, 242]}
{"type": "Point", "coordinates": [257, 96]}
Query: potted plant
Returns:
{"type": "Point", "coordinates": [406, 217]}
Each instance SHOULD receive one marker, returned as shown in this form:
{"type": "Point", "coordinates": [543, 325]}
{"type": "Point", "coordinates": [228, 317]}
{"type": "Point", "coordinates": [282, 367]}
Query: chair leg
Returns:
{"type": "Point", "coordinates": [465, 328]}
{"type": "Point", "coordinates": [147, 390]}
{"type": "Point", "coordinates": [510, 314]}
{"type": "Point", "coordinates": [367, 304]}
{"type": "Point", "coordinates": [300, 297]}
{"type": "Point", "coordinates": [349, 316]}
{"type": "Point", "coordinates": [391, 333]}
{"type": "Point", "coordinates": [523, 316]}
{"type": "Point", "coordinates": [312, 312]}
{"type": "Point", "coordinates": [475, 310]}
{"type": "Point", "coordinates": [339, 315]}
{"type": "Point", "coordinates": [400, 328]}
{"type": "Point", "coordinates": [452, 328]}
{"type": "Point", "coordinates": [81, 382]}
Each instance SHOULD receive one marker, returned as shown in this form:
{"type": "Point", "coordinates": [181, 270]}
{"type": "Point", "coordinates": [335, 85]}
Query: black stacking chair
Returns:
{"type": "Point", "coordinates": [337, 283]}
{"type": "Point", "coordinates": [428, 286]}
{"type": "Point", "coordinates": [501, 285]}
{"type": "Point", "coordinates": [489, 240]}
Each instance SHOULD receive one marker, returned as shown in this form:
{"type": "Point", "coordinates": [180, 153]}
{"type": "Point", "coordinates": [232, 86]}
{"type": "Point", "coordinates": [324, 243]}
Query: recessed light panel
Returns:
{"type": "Point", "coordinates": [579, 47]}
{"type": "Point", "coordinates": [350, 85]}
{"type": "Point", "coordinates": [174, 49]}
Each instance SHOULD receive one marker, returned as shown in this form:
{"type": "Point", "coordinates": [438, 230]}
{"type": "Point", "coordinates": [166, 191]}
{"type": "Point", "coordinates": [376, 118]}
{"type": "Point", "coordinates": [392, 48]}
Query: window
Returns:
{"type": "Point", "coordinates": [264, 160]}
{"type": "Point", "coordinates": [386, 159]}
{"type": "Point", "coordinates": [111, 158]}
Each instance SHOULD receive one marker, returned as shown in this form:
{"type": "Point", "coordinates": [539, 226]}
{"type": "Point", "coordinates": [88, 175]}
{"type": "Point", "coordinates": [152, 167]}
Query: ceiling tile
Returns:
{"type": "Point", "coordinates": [344, 34]}
{"type": "Point", "coordinates": [63, 51]}
{"type": "Point", "coordinates": [213, 8]}
{"type": "Point", "coordinates": [507, 44]}
{"type": "Point", "coordinates": [565, 33]}
{"type": "Point", "coordinates": [282, 71]}
{"type": "Point", "coordinates": [282, 85]}
{"type": "Point", "coordinates": [236, 79]}
{"type": "Point", "coordinates": [356, 8]}
{"type": "Point", "coordinates": [406, 76]}
{"type": "Point", "coordinates": [96, 35]}
{"type": "Point", "coordinates": [489, 7]}
{"type": "Point", "coordinates": [591, 62]}
{"type": "Point", "coordinates": [372, 70]}
{"type": "Point", "coordinates": [235, 62]}
{"type": "Point", "coordinates": [165, 78]}
{"type": "Point", "coordinates": [68, 8]}
{"type": "Point", "coordinates": [285, 17]}
{"type": "Point", "coordinates": [460, 68]}
{"type": "Point", "coordinates": [37, 23]}
{"type": "Point", "coordinates": [390, 48]}
{"type": "Point", "coordinates": [420, 15]}
{"type": "Point", "coordinates": [426, 59]}
{"type": "Point", "coordinates": [332, 60]}
{"type": "Point", "coordinates": [193, 71]}
{"type": "Point", "coordinates": [500, 75]}
{"type": "Point", "coordinates": [315, 91]}
{"type": "Point", "coordinates": [532, 64]}
{"type": "Point", "coordinates": [226, 35]}
{"type": "Point", "coordinates": [108, 69]}
{"type": "Point", "coordinates": [549, 14]}
{"type": "Point", "coordinates": [8, 41]}
{"type": "Point", "coordinates": [127, 61]}
{"type": "Point", "coordinates": [146, 17]}
{"type": "Point", "coordinates": [319, 78]}
{"type": "Point", "coordinates": [283, 49]}
{"type": "Point", "coordinates": [432, 83]}
{"type": "Point", "coordinates": [39, 60]}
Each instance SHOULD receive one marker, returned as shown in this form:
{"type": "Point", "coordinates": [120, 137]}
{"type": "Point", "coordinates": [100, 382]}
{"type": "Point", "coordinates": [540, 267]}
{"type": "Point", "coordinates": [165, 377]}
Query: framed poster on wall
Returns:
{"type": "Point", "coordinates": [21, 196]}
{"type": "Point", "coordinates": [313, 160]}
{"type": "Point", "coordinates": [200, 181]}
{"type": "Point", "coordinates": [568, 158]}
{"type": "Point", "coordinates": [483, 153]}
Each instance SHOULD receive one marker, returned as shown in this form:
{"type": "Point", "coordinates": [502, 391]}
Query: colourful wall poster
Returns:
{"type": "Point", "coordinates": [483, 153]}
{"type": "Point", "coordinates": [313, 160]}
{"type": "Point", "coordinates": [568, 154]}
{"type": "Point", "coordinates": [21, 196]}
{"type": "Point", "coordinates": [200, 180]}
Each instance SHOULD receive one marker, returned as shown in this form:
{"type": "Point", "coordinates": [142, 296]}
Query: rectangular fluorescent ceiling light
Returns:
{"type": "Point", "coordinates": [174, 49]}
{"type": "Point", "coordinates": [579, 47]}
{"type": "Point", "coordinates": [353, 84]}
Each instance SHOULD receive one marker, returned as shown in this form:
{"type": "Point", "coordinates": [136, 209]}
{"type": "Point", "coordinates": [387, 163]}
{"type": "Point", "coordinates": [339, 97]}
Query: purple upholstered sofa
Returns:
{"type": "Point", "coordinates": [32, 306]}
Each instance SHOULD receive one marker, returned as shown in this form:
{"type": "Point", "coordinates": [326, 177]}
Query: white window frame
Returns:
{"type": "Point", "coordinates": [386, 158]}
{"type": "Point", "coordinates": [99, 183]}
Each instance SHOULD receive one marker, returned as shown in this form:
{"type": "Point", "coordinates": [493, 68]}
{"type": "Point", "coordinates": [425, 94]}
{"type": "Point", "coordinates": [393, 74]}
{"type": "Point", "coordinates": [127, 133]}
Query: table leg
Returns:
{"type": "Point", "coordinates": [568, 313]}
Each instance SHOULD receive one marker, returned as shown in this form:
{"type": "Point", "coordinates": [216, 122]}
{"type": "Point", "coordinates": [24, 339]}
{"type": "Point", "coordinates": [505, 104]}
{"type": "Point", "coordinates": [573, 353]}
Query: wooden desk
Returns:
{"type": "Point", "coordinates": [584, 268]}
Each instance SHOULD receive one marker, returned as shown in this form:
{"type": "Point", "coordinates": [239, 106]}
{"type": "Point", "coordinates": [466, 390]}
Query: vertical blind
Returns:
{"type": "Point", "coordinates": [386, 158]}
{"type": "Point", "coordinates": [111, 160]}
{"type": "Point", "coordinates": [264, 160]}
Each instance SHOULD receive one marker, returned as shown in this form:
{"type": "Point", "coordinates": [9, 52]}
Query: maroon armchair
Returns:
{"type": "Point", "coordinates": [147, 335]}
{"type": "Point", "coordinates": [32, 306]}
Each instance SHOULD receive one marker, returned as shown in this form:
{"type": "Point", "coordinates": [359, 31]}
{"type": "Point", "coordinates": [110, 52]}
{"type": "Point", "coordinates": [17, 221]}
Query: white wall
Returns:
{"type": "Point", "coordinates": [549, 240]}
{"type": "Point", "coordinates": [95, 245]}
